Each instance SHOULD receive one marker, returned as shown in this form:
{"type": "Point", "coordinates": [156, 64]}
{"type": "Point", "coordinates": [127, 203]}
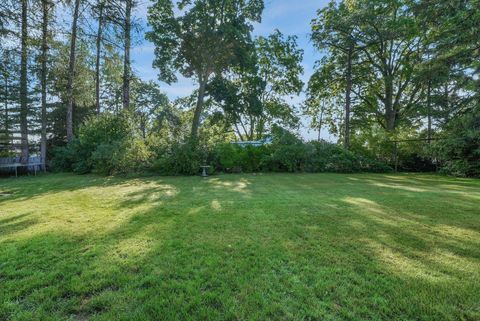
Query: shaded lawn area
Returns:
{"type": "Point", "coordinates": [240, 247]}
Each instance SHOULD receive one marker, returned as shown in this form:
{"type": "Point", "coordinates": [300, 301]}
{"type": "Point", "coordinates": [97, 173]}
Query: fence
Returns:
{"type": "Point", "coordinates": [12, 164]}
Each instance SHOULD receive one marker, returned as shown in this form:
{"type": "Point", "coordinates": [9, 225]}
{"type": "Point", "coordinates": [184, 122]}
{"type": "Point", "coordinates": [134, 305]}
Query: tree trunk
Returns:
{"type": "Point", "coordinates": [320, 122]}
{"type": "Point", "coordinates": [43, 147]}
{"type": "Point", "coordinates": [97, 61]}
{"type": "Point", "coordinates": [198, 108]}
{"type": "Point", "coordinates": [252, 128]}
{"type": "Point", "coordinates": [24, 88]}
{"type": "Point", "coordinates": [239, 133]}
{"type": "Point", "coordinates": [143, 126]}
{"type": "Point", "coordinates": [429, 112]}
{"type": "Point", "coordinates": [126, 58]}
{"type": "Point", "coordinates": [261, 126]}
{"type": "Point", "coordinates": [446, 97]}
{"type": "Point", "coordinates": [348, 98]}
{"type": "Point", "coordinates": [5, 103]}
{"type": "Point", "coordinates": [390, 113]}
{"type": "Point", "coordinates": [71, 72]}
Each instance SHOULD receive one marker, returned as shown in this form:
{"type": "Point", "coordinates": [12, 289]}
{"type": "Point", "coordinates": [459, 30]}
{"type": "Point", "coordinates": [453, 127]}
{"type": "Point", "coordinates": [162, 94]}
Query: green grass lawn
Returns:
{"type": "Point", "coordinates": [240, 247]}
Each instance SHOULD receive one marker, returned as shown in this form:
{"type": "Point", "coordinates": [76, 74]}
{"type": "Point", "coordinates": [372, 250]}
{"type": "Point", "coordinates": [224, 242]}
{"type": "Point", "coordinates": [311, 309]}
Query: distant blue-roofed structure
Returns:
{"type": "Point", "coordinates": [256, 143]}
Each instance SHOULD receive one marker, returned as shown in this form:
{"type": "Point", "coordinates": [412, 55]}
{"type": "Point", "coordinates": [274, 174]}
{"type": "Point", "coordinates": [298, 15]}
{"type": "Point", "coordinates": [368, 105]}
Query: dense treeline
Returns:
{"type": "Point", "coordinates": [390, 70]}
{"type": "Point", "coordinates": [400, 70]}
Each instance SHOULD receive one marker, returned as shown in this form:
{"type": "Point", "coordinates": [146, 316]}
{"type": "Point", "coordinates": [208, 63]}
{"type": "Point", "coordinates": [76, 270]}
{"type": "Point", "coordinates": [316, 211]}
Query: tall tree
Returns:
{"type": "Point", "coordinates": [385, 41]}
{"type": "Point", "coordinates": [24, 85]}
{"type": "Point", "coordinates": [391, 45]}
{"type": "Point", "coordinates": [325, 93]}
{"type": "Point", "coordinates": [200, 39]}
{"type": "Point", "coordinates": [71, 71]}
{"type": "Point", "coordinates": [332, 30]}
{"type": "Point", "coordinates": [98, 42]}
{"type": "Point", "coordinates": [43, 77]}
{"type": "Point", "coordinates": [126, 56]}
{"type": "Point", "coordinates": [5, 89]}
{"type": "Point", "coordinates": [148, 103]}
{"type": "Point", "coordinates": [454, 41]}
{"type": "Point", "coordinates": [253, 96]}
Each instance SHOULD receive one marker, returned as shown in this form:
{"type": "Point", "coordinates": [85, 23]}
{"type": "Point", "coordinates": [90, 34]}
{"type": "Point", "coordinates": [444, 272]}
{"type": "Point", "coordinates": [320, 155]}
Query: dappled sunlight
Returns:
{"type": "Point", "coordinates": [448, 261]}
{"type": "Point", "coordinates": [355, 179]}
{"type": "Point", "coordinates": [145, 194]}
{"type": "Point", "coordinates": [457, 233]}
{"type": "Point", "coordinates": [398, 263]}
{"type": "Point", "coordinates": [456, 187]}
{"type": "Point", "coordinates": [365, 205]}
{"type": "Point", "coordinates": [238, 186]}
{"type": "Point", "coordinates": [409, 245]}
{"type": "Point", "coordinates": [133, 248]}
{"type": "Point", "coordinates": [195, 210]}
{"type": "Point", "coordinates": [216, 206]}
{"type": "Point", "coordinates": [358, 225]}
{"type": "Point", "coordinates": [413, 185]}
{"type": "Point", "coordinates": [435, 265]}
{"type": "Point", "coordinates": [398, 187]}
{"type": "Point", "coordinates": [87, 210]}
{"type": "Point", "coordinates": [315, 237]}
{"type": "Point", "coordinates": [390, 216]}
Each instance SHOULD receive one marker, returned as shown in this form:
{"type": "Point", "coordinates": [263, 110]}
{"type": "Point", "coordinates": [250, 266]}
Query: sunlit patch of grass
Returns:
{"type": "Point", "coordinates": [400, 187]}
{"type": "Point", "coordinates": [240, 247]}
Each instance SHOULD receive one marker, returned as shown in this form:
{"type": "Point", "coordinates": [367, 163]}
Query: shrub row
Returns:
{"type": "Point", "coordinates": [286, 153]}
{"type": "Point", "coordinates": [109, 144]}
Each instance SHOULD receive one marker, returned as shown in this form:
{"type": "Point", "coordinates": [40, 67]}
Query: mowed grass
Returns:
{"type": "Point", "coordinates": [240, 247]}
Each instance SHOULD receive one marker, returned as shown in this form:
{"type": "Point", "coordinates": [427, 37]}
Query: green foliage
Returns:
{"type": "Point", "coordinates": [111, 144]}
{"type": "Point", "coordinates": [233, 158]}
{"type": "Point", "coordinates": [106, 144]}
{"type": "Point", "coordinates": [287, 158]}
{"type": "Point", "coordinates": [180, 159]}
{"type": "Point", "coordinates": [327, 157]}
{"type": "Point", "coordinates": [253, 97]}
{"type": "Point", "coordinates": [229, 155]}
{"type": "Point", "coordinates": [287, 153]}
{"type": "Point", "coordinates": [198, 38]}
{"type": "Point", "coordinates": [125, 157]}
{"type": "Point", "coordinates": [253, 158]}
{"type": "Point", "coordinates": [460, 153]}
{"type": "Point", "coordinates": [150, 106]}
{"type": "Point", "coordinates": [412, 153]}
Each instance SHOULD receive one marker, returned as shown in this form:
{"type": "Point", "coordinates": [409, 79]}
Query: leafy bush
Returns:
{"type": "Point", "coordinates": [253, 158]}
{"type": "Point", "coordinates": [326, 157]}
{"type": "Point", "coordinates": [124, 157]}
{"type": "Point", "coordinates": [286, 158]}
{"type": "Point", "coordinates": [460, 153]}
{"type": "Point", "coordinates": [106, 144]}
{"type": "Point", "coordinates": [109, 144]}
{"type": "Point", "coordinates": [72, 158]}
{"type": "Point", "coordinates": [287, 153]}
{"type": "Point", "coordinates": [180, 159]}
{"type": "Point", "coordinates": [229, 156]}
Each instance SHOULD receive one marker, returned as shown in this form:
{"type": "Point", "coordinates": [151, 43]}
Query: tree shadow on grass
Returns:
{"type": "Point", "coordinates": [16, 223]}
{"type": "Point", "coordinates": [221, 250]}
{"type": "Point", "coordinates": [25, 188]}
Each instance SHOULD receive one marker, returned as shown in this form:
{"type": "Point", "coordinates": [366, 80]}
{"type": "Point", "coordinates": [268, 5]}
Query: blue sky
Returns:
{"type": "Point", "coordinates": [291, 17]}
